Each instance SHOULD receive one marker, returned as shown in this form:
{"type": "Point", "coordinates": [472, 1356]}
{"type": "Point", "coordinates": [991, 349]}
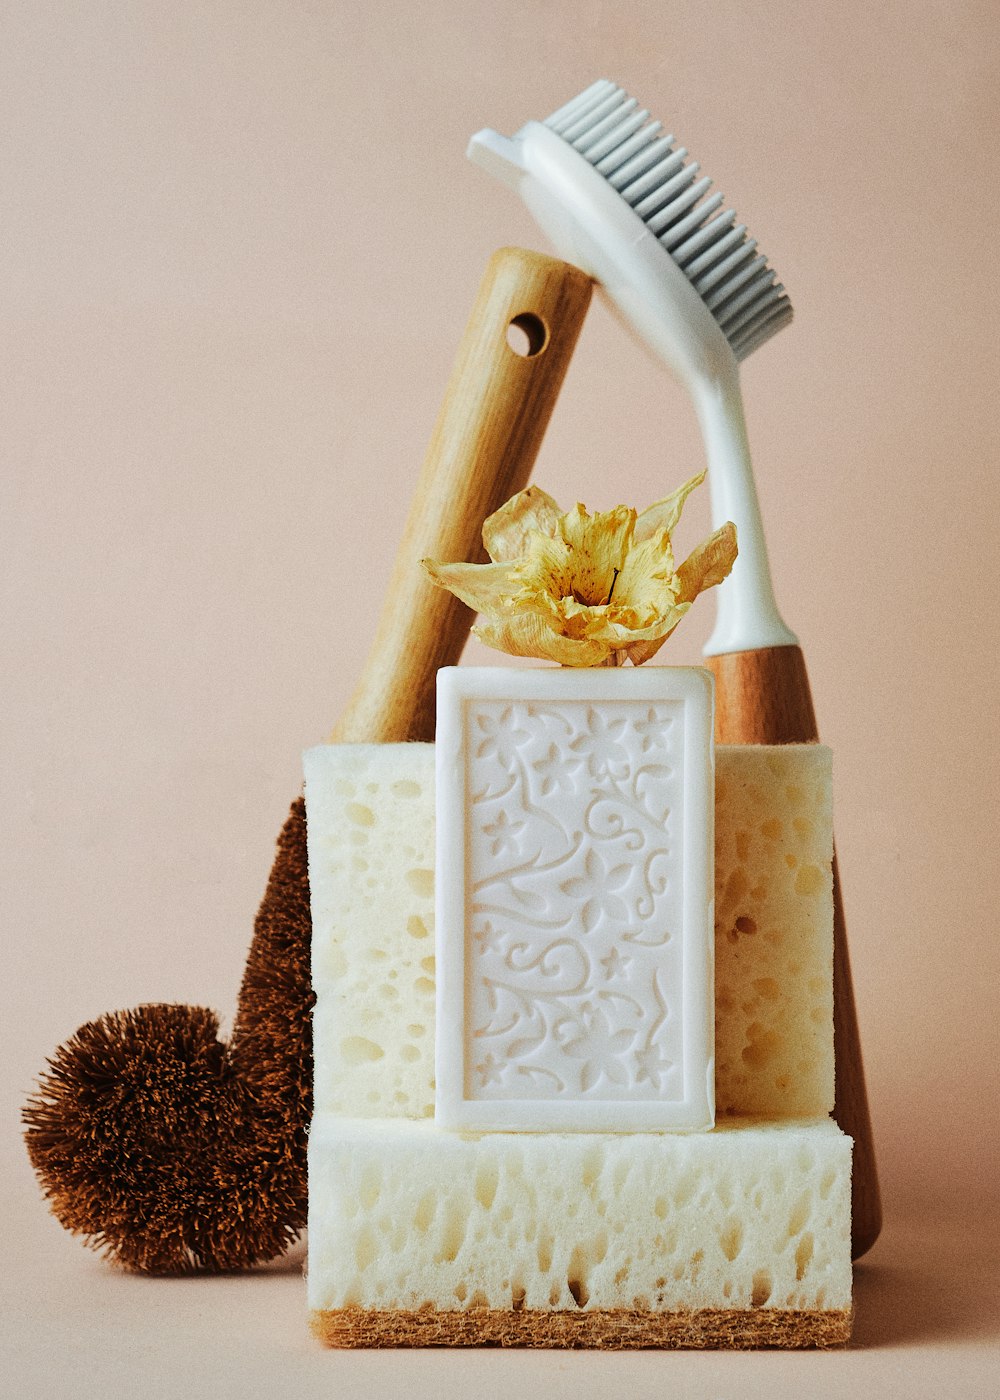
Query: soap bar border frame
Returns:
{"type": "Point", "coordinates": [694, 688]}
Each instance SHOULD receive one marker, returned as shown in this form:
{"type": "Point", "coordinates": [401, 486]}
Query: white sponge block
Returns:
{"type": "Point", "coordinates": [405, 1215]}
{"type": "Point", "coordinates": [371, 828]}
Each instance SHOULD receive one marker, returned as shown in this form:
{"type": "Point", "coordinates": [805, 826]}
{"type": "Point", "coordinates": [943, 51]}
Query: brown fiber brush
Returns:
{"type": "Point", "coordinates": [172, 1150]}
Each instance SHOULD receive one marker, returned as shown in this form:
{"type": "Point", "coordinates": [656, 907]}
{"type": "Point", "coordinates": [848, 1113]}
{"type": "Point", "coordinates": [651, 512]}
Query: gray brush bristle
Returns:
{"type": "Point", "coordinates": [654, 177]}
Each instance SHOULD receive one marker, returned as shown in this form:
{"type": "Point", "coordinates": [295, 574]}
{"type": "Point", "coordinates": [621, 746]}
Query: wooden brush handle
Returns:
{"type": "Point", "coordinates": [483, 447]}
{"type": "Point", "coordinates": [763, 697]}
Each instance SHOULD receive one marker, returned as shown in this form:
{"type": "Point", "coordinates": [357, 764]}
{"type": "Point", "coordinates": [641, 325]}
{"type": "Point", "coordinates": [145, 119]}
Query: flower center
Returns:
{"type": "Point", "coordinates": [584, 596]}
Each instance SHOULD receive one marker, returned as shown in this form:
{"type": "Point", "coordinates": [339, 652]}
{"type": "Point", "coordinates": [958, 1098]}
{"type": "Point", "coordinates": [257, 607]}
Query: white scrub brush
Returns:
{"type": "Point", "coordinates": [619, 198]}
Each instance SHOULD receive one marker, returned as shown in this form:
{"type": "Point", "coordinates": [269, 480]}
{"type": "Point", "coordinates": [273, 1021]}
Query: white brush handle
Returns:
{"type": "Point", "coordinates": [592, 226]}
{"type": "Point", "coordinates": [747, 617]}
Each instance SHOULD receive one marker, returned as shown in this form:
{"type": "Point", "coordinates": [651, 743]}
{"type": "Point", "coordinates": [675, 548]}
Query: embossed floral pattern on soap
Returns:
{"type": "Point", "coordinates": [574, 905]}
{"type": "Point", "coordinates": [574, 898]}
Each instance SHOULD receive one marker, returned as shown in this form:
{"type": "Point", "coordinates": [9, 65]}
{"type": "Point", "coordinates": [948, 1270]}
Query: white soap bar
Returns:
{"type": "Point", "coordinates": [371, 858]}
{"type": "Point", "coordinates": [574, 895]}
{"type": "Point", "coordinates": [404, 1216]}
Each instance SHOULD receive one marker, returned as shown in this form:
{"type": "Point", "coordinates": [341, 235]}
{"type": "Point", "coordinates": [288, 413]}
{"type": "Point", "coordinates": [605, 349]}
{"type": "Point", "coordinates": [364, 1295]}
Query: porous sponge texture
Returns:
{"type": "Point", "coordinates": [370, 827]}
{"type": "Point", "coordinates": [371, 863]}
{"type": "Point", "coordinates": [752, 1215]}
{"type": "Point", "coordinates": [774, 930]}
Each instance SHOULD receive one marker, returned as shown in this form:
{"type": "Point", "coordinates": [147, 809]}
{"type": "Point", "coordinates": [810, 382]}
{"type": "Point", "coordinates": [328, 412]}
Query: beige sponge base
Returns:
{"type": "Point", "coordinates": [610, 1329]}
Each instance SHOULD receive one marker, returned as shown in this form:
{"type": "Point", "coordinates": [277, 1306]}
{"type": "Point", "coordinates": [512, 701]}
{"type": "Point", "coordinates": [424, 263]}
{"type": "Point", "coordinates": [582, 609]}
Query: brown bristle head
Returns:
{"type": "Point", "coordinates": [142, 1140]}
{"type": "Point", "coordinates": [171, 1150]}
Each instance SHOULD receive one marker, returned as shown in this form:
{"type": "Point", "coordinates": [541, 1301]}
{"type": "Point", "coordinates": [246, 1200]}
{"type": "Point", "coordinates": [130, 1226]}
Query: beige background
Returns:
{"type": "Point", "coordinates": [240, 240]}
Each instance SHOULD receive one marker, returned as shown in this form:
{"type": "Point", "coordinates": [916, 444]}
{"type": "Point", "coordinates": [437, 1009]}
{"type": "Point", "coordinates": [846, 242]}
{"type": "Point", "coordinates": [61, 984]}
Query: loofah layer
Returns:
{"type": "Point", "coordinates": [612, 1329]}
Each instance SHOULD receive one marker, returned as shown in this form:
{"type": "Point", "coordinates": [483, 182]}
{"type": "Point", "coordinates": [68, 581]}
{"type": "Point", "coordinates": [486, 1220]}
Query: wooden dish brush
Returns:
{"type": "Point", "coordinates": [167, 1148]}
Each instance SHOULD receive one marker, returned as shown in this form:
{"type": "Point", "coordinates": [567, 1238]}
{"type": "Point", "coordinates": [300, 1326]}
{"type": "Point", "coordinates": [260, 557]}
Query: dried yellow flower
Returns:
{"type": "Point", "coordinates": [582, 589]}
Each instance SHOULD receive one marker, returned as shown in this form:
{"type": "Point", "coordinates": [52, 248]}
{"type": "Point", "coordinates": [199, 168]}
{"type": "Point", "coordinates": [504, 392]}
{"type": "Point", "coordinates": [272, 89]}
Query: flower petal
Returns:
{"type": "Point", "coordinates": [641, 651]}
{"type": "Point", "coordinates": [620, 634]}
{"type": "Point", "coordinates": [544, 570]}
{"type": "Point", "coordinates": [505, 532]}
{"type": "Point", "coordinates": [664, 515]}
{"type": "Point", "coordinates": [647, 586]}
{"type": "Point", "coordinates": [525, 634]}
{"type": "Point", "coordinates": [709, 563]}
{"type": "Point", "coordinates": [485, 587]}
{"type": "Point", "coordinates": [599, 625]}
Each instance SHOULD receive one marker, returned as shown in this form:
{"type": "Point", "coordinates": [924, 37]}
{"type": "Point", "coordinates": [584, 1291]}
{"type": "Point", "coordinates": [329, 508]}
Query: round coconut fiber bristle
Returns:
{"type": "Point", "coordinates": [171, 1150]}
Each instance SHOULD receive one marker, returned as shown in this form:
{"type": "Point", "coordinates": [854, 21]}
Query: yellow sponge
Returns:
{"type": "Point", "coordinates": [774, 930]}
{"type": "Point", "coordinates": [371, 869]}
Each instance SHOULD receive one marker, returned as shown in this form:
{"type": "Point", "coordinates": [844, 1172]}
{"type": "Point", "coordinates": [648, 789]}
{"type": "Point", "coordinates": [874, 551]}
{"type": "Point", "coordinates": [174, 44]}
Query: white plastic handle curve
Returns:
{"type": "Point", "coordinates": [590, 225]}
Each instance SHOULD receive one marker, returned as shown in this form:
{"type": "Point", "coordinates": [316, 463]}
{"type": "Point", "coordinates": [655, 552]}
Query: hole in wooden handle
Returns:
{"type": "Point", "coordinates": [527, 335]}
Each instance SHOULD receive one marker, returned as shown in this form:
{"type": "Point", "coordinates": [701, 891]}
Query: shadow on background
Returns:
{"type": "Point", "coordinates": [929, 1281]}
